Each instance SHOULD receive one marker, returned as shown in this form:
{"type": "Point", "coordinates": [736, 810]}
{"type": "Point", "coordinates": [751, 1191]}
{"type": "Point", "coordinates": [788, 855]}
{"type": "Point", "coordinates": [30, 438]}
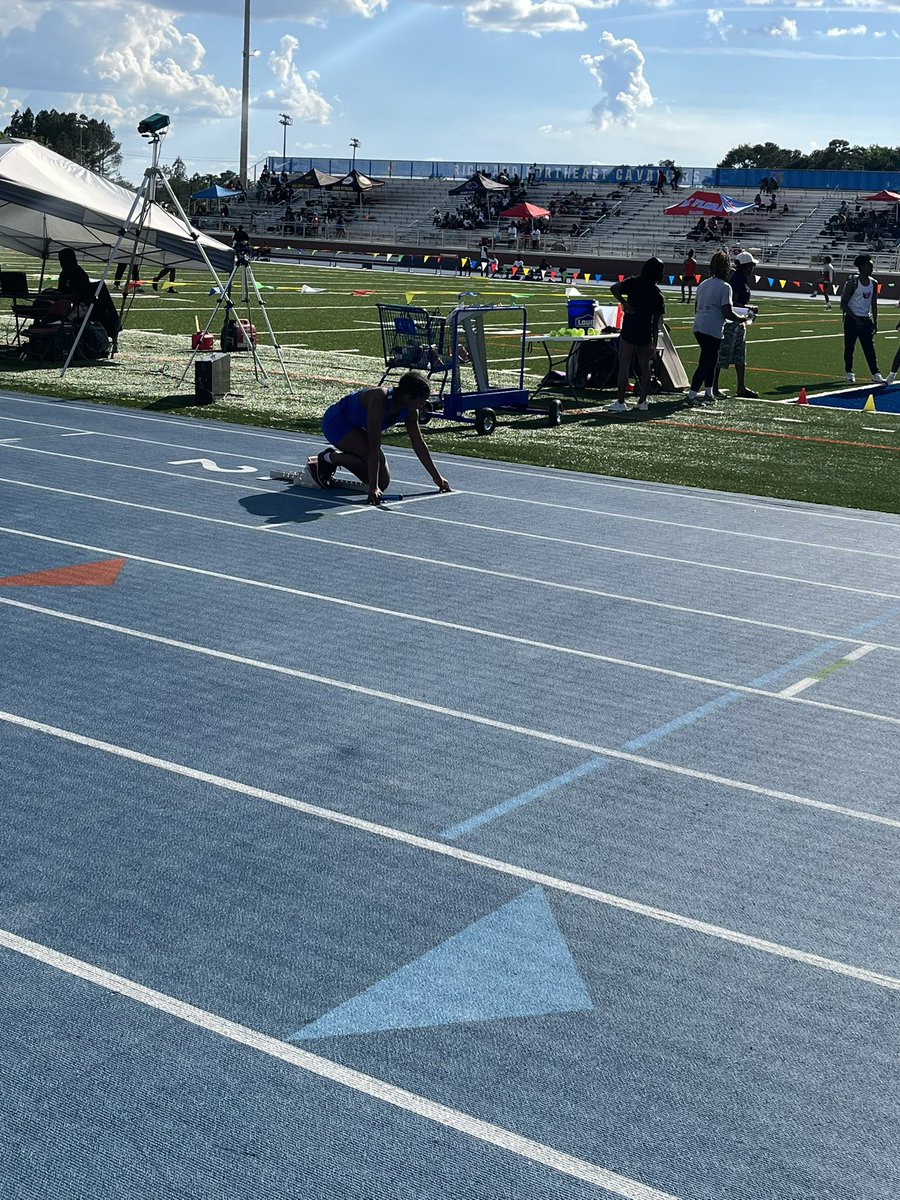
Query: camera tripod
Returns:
{"type": "Point", "coordinates": [134, 226]}
{"type": "Point", "coordinates": [249, 287]}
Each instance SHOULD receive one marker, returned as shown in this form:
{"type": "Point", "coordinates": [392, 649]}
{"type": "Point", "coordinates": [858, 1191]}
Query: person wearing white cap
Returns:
{"type": "Point", "coordinates": [733, 350]}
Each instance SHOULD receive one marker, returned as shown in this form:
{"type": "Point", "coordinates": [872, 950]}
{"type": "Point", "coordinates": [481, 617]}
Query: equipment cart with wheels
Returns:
{"type": "Point", "coordinates": [472, 385]}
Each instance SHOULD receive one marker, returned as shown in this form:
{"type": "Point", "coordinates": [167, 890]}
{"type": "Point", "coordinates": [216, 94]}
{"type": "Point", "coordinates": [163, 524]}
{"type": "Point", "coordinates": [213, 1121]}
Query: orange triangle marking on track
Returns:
{"type": "Point", "coordinates": [95, 574]}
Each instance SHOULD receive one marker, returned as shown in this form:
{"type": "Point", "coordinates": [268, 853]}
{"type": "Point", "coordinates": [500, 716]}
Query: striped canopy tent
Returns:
{"type": "Point", "coordinates": [707, 204]}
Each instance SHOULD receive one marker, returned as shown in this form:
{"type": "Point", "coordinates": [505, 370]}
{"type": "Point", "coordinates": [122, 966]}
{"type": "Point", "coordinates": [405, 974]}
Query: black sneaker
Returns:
{"type": "Point", "coordinates": [325, 469]}
{"type": "Point", "coordinates": [312, 466]}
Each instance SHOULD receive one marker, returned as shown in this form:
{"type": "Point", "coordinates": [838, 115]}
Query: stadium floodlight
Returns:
{"type": "Point", "coordinates": [155, 124]}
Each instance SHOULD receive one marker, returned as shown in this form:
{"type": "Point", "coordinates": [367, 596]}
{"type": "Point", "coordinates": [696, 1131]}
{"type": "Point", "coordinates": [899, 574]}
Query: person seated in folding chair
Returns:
{"type": "Point", "coordinates": [355, 426]}
{"type": "Point", "coordinates": [74, 281]}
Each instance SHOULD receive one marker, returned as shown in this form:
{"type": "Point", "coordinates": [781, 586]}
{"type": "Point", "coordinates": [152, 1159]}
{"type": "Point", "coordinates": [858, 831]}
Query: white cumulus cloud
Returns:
{"type": "Point", "coordinates": [297, 92]}
{"type": "Point", "coordinates": [785, 28]}
{"type": "Point", "coordinates": [534, 17]}
{"type": "Point", "coordinates": [619, 70]}
{"type": "Point", "coordinates": [715, 18]}
{"type": "Point", "coordinates": [854, 31]}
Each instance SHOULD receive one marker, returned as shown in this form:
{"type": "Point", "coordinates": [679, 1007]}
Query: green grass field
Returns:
{"type": "Point", "coordinates": [331, 343]}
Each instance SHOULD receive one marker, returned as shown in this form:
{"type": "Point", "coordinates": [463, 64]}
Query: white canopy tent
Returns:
{"type": "Point", "coordinates": [48, 202]}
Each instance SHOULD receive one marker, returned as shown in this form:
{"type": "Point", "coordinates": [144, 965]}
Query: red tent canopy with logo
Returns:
{"type": "Point", "coordinates": [883, 197]}
{"type": "Point", "coordinates": [706, 204]}
{"type": "Point", "coordinates": [518, 211]}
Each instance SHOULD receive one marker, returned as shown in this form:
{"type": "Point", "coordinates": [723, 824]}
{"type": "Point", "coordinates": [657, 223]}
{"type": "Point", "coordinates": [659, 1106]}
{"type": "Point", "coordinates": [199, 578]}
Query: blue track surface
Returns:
{"type": "Point", "coordinates": [536, 841]}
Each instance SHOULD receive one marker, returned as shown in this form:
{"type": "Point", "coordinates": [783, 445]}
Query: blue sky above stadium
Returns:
{"type": "Point", "coordinates": [580, 81]}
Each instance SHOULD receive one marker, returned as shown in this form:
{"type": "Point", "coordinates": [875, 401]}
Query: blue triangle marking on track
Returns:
{"type": "Point", "coordinates": [512, 963]}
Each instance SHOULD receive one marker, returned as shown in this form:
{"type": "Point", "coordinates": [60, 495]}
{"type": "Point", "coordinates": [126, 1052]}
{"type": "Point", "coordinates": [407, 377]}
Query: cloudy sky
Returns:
{"type": "Point", "coordinates": [568, 81]}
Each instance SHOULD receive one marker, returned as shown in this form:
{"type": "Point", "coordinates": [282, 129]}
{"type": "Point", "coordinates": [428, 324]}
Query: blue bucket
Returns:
{"type": "Point", "coordinates": [581, 314]}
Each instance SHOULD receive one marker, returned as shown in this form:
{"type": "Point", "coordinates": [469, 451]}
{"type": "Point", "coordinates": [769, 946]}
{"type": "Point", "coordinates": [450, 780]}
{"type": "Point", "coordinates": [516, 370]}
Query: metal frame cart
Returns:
{"type": "Point", "coordinates": [465, 363]}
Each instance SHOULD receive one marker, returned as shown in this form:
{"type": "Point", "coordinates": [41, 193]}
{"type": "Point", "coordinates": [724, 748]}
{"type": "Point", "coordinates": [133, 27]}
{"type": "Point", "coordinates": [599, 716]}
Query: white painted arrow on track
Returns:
{"type": "Point", "coordinates": [210, 464]}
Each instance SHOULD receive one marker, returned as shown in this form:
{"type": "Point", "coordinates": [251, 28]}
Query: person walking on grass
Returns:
{"type": "Point", "coordinates": [859, 304]}
{"type": "Point", "coordinates": [825, 283]}
{"type": "Point", "coordinates": [714, 297]}
{"type": "Point", "coordinates": [644, 308]}
{"type": "Point", "coordinates": [355, 426]}
{"type": "Point", "coordinates": [688, 277]}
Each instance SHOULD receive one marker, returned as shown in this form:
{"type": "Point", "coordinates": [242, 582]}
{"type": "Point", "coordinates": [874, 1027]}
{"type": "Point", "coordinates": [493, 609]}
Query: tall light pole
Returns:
{"type": "Point", "coordinates": [284, 120]}
{"type": "Point", "coordinates": [245, 94]}
{"type": "Point", "coordinates": [82, 123]}
{"type": "Point", "coordinates": [354, 146]}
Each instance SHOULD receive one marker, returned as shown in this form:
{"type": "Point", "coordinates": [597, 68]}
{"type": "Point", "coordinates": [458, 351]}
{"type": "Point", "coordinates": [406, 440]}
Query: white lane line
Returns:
{"type": "Point", "coordinates": [876, 429]}
{"type": "Point", "coordinates": [789, 693]}
{"type": "Point", "coordinates": [477, 718]}
{"type": "Point", "coordinates": [447, 850]}
{"type": "Point", "coordinates": [550, 647]}
{"type": "Point", "coordinates": [613, 514]}
{"type": "Point", "coordinates": [594, 592]}
{"type": "Point", "coordinates": [256, 481]}
{"type": "Point", "coordinates": [665, 491]}
{"type": "Point", "coordinates": [602, 548]}
{"type": "Point", "coordinates": [279, 532]}
{"type": "Point", "coordinates": [324, 1068]}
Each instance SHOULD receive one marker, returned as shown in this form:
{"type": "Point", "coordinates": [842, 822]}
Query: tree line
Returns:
{"type": "Point", "coordinates": [838, 155]}
{"type": "Point", "coordinates": [93, 144]}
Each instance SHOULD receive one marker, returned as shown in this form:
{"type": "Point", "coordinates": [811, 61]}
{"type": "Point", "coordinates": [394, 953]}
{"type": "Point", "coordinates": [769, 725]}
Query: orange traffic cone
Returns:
{"type": "Point", "coordinates": [801, 399]}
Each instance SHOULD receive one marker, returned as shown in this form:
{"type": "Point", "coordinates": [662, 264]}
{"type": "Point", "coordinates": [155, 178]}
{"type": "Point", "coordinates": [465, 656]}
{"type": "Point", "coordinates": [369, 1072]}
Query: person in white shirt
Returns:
{"type": "Point", "coordinates": [859, 304]}
{"type": "Point", "coordinates": [824, 285]}
{"type": "Point", "coordinates": [714, 299]}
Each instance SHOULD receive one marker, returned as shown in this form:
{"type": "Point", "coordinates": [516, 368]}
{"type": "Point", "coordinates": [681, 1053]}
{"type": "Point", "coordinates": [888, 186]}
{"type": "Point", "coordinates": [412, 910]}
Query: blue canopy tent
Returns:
{"type": "Point", "coordinates": [216, 193]}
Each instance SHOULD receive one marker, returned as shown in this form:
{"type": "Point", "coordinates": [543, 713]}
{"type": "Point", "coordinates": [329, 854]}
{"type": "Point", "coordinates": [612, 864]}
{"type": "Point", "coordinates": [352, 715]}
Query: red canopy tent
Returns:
{"type": "Point", "coordinates": [706, 204]}
{"type": "Point", "coordinates": [883, 197]}
{"type": "Point", "coordinates": [519, 211]}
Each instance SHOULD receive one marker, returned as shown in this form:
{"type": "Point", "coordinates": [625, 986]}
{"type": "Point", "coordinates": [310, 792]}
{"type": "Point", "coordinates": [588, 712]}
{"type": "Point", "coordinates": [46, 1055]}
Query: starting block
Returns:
{"type": "Point", "coordinates": [302, 478]}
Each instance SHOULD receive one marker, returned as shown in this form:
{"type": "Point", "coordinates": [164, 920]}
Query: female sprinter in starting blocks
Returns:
{"type": "Point", "coordinates": [355, 424]}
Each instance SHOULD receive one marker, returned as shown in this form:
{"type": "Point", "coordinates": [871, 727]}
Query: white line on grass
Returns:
{"type": "Point", "coordinates": [416, 558]}
{"type": "Point", "coordinates": [446, 850]}
{"type": "Point", "coordinates": [478, 719]}
{"type": "Point", "coordinates": [667, 491]}
{"type": "Point", "coordinates": [324, 1068]}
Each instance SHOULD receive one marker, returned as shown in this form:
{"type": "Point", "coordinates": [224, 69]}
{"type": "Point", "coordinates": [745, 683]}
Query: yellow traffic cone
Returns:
{"type": "Point", "coordinates": [869, 405]}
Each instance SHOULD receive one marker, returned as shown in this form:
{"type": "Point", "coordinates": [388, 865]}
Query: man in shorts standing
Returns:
{"type": "Point", "coordinates": [733, 350]}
